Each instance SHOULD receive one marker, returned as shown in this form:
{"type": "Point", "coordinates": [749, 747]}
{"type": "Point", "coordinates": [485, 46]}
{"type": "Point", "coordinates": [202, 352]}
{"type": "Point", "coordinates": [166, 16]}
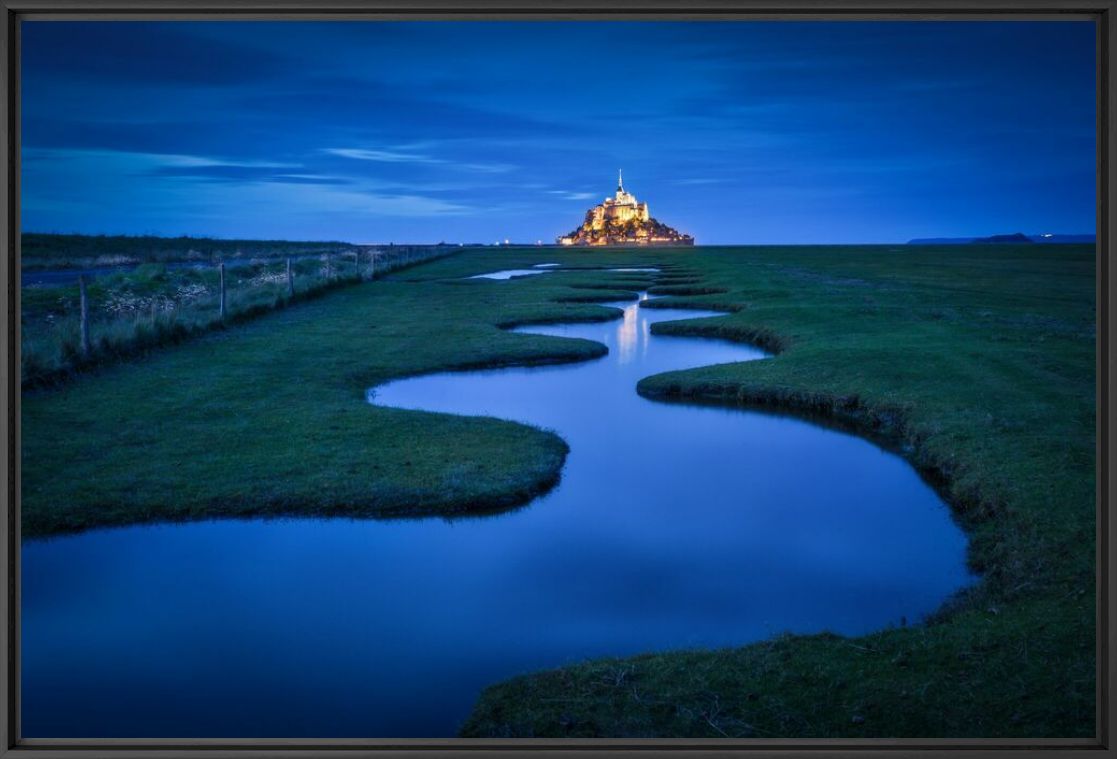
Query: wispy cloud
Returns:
{"type": "Point", "coordinates": [191, 191]}
{"type": "Point", "coordinates": [569, 195]}
{"type": "Point", "coordinates": [489, 168]}
{"type": "Point", "coordinates": [403, 156]}
{"type": "Point", "coordinates": [364, 202]}
{"type": "Point", "coordinates": [382, 156]}
{"type": "Point", "coordinates": [140, 157]}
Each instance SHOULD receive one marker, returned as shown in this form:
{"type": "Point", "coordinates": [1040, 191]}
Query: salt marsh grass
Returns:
{"type": "Point", "coordinates": [154, 304]}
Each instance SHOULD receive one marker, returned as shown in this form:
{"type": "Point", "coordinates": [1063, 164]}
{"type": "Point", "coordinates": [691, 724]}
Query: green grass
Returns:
{"type": "Point", "coordinates": [977, 364]}
{"type": "Point", "coordinates": [152, 305]}
{"type": "Point", "coordinates": [974, 362]}
{"type": "Point", "coordinates": [269, 418]}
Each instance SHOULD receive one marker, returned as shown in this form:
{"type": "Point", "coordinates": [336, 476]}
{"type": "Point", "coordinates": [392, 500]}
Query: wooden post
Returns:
{"type": "Point", "coordinates": [290, 281]}
{"type": "Point", "coordinates": [84, 316]}
{"type": "Point", "coordinates": [221, 301]}
{"type": "Point", "coordinates": [372, 264]}
{"type": "Point", "coordinates": [329, 266]}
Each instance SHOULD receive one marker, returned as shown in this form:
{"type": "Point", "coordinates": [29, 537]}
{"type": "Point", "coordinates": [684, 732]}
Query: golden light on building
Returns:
{"type": "Point", "coordinates": [621, 219]}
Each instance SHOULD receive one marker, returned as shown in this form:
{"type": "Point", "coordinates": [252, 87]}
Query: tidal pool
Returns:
{"type": "Point", "coordinates": [674, 526]}
{"type": "Point", "coordinates": [508, 274]}
{"type": "Point", "coordinates": [542, 269]}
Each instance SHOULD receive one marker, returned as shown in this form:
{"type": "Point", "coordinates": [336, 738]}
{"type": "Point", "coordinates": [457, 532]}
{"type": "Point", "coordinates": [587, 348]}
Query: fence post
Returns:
{"type": "Point", "coordinates": [221, 273]}
{"type": "Point", "coordinates": [329, 266]}
{"type": "Point", "coordinates": [84, 316]}
{"type": "Point", "coordinates": [372, 264]}
{"type": "Point", "coordinates": [290, 281]}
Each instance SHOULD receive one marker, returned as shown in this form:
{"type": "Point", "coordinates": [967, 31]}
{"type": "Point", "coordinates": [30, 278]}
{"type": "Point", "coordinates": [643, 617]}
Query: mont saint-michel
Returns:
{"type": "Point", "coordinates": [622, 220]}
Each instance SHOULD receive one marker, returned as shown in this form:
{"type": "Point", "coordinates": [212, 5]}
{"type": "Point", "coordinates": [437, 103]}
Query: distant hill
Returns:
{"type": "Point", "coordinates": [1015, 237]}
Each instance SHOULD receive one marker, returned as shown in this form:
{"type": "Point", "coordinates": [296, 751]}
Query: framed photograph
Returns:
{"type": "Point", "coordinates": [413, 378]}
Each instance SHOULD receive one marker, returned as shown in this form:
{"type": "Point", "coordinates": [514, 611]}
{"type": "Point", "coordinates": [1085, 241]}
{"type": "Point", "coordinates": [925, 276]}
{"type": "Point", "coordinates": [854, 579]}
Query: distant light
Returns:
{"type": "Point", "coordinates": [1047, 235]}
{"type": "Point", "coordinates": [505, 240]}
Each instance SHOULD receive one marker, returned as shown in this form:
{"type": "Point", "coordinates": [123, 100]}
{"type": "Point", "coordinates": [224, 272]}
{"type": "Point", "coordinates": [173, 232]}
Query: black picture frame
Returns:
{"type": "Point", "coordinates": [14, 11]}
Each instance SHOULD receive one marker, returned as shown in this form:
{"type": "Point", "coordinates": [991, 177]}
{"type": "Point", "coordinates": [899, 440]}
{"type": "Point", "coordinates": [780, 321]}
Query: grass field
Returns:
{"type": "Point", "coordinates": [975, 362]}
{"type": "Point", "coordinates": [138, 309]}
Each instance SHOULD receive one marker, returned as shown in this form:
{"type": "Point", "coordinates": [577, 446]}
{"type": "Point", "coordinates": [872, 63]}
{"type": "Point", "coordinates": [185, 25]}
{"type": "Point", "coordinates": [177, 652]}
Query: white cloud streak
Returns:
{"type": "Point", "coordinates": [403, 156]}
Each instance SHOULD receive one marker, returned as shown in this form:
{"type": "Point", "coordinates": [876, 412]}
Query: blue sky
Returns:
{"type": "Point", "coordinates": [735, 132]}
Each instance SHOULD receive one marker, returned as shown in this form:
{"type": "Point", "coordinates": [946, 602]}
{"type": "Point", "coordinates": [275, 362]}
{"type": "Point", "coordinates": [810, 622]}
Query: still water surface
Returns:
{"type": "Point", "coordinates": [509, 274]}
{"type": "Point", "coordinates": [674, 526]}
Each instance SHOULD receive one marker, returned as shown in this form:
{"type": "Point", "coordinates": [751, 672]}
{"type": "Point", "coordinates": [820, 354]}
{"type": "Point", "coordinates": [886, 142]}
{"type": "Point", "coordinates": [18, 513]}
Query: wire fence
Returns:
{"type": "Point", "coordinates": [102, 318]}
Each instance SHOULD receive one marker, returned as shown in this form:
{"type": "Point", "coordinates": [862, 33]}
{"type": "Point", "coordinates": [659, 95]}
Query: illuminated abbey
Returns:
{"type": "Point", "coordinates": [622, 220]}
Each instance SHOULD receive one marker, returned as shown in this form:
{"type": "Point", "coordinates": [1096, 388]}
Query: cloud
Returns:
{"type": "Point", "coordinates": [411, 205]}
{"type": "Point", "coordinates": [145, 158]}
{"type": "Point", "coordinates": [153, 135]}
{"type": "Point", "coordinates": [384, 156]}
{"type": "Point", "coordinates": [489, 168]}
{"type": "Point", "coordinates": [220, 172]}
{"type": "Point", "coordinates": [395, 111]}
{"type": "Point", "coordinates": [397, 156]}
{"type": "Point", "coordinates": [176, 194]}
{"type": "Point", "coordinates": [356, 201]}
{"type": "Point", "coordinates": [568, 195]}
{"type": "Point", "coordinates": [308, 179]}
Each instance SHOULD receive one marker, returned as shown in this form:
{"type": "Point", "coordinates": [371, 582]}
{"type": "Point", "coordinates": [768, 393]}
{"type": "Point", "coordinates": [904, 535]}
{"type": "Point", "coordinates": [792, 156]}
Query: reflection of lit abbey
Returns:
{"type": "Point", "coordinates": [622, 220]}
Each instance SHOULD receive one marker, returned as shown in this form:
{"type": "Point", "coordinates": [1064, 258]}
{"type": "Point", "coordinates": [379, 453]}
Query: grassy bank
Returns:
{"type": "Point", "coordinates": [137, 309]}
{"type": "Point", "coordinates": [976, 363]}
{"type": "Point", "coordinates": [268, 417]}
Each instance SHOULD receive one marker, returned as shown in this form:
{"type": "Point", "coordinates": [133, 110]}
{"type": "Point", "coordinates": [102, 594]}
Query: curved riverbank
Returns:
{"type": "Point", "coordinates": [698, 498]}
{"type": "Point", "coordinates": [185, 434]}
{"type": "Point", "coordinates": [987, 386]}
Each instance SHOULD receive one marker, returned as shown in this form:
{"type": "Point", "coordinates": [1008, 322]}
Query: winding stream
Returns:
{"type": "Point", "coordinates": [673, 526]}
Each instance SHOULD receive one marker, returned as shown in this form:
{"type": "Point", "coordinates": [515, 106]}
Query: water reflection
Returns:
{"type": "Point", "coordinates": [630, 333]}
{"type": "Point", "coordinates": [509, 274]}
